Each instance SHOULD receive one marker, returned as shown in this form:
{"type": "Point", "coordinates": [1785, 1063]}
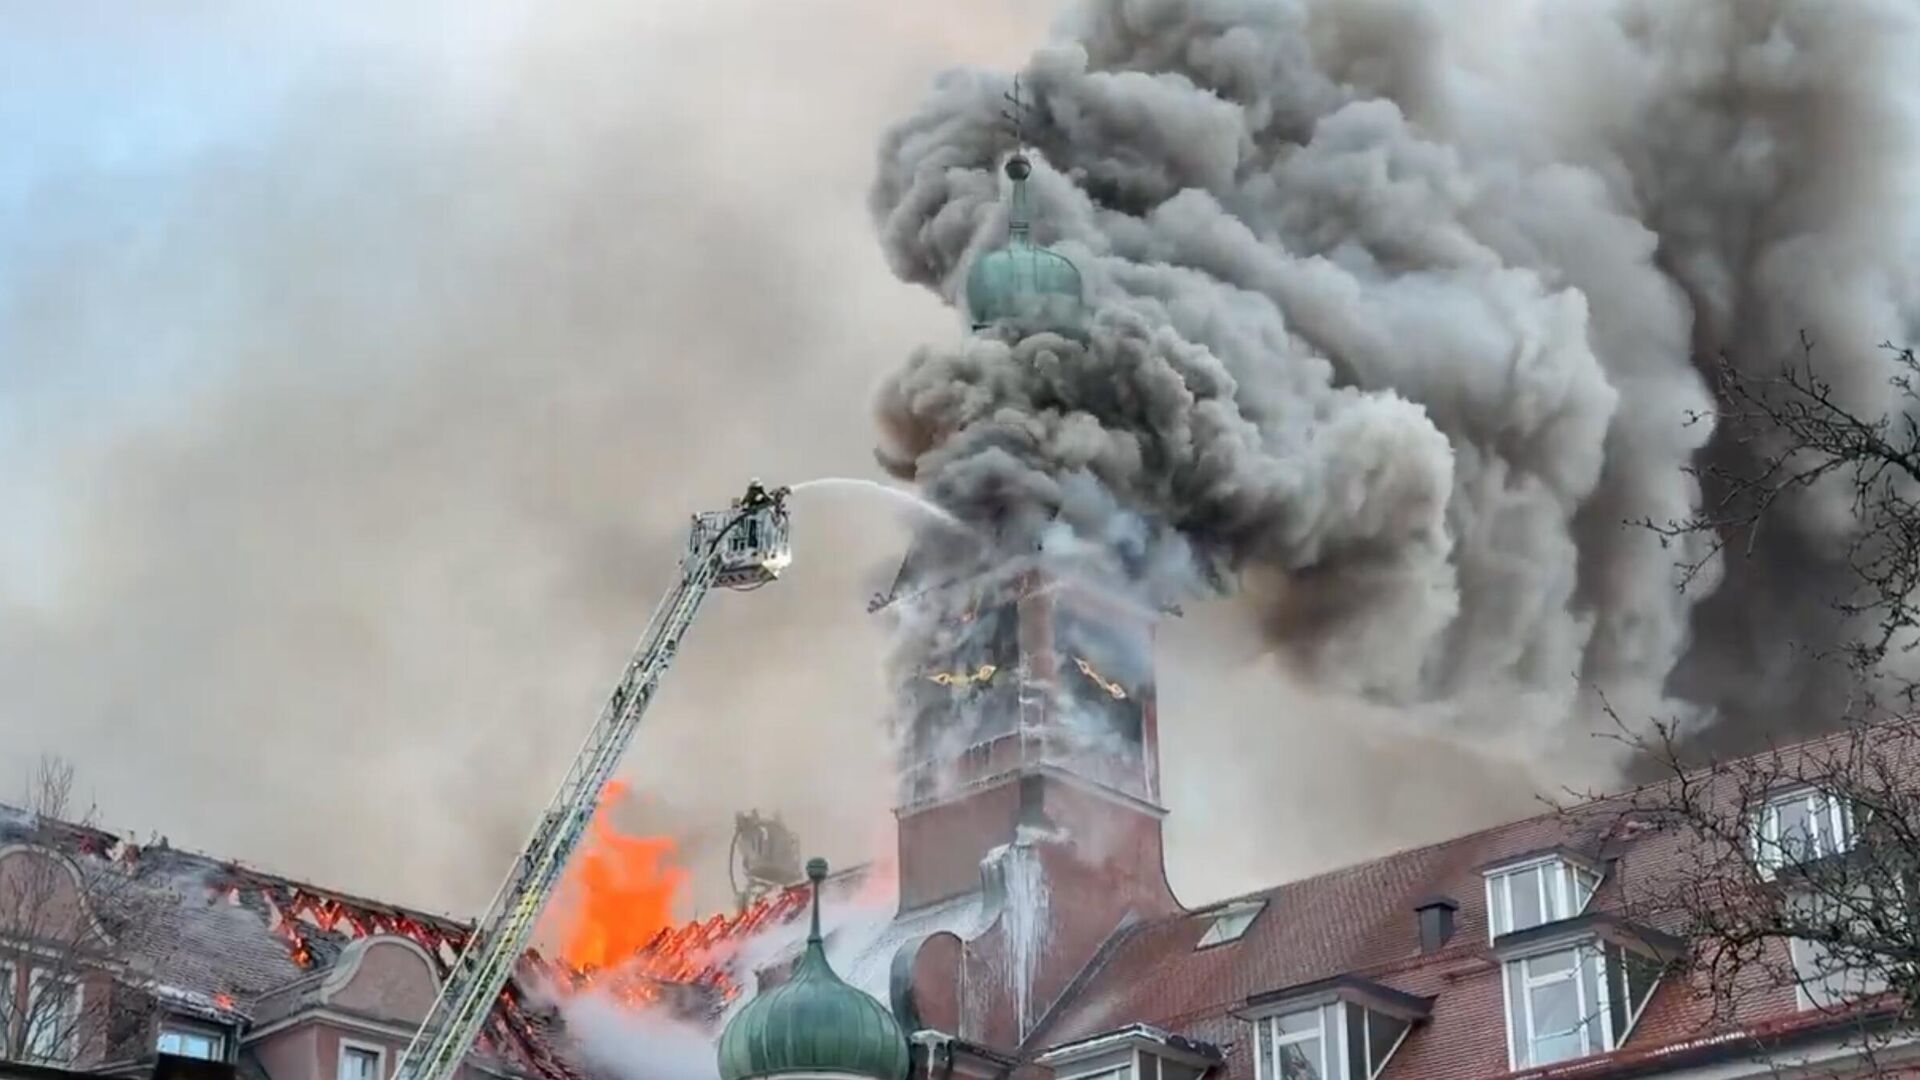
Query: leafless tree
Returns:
{"type": "Point", "coordinates": [70, 908]}
{"type": "Point", "coordinates": [1798, 436]}
{"type": "Point", "coordinates": [1794, 872]}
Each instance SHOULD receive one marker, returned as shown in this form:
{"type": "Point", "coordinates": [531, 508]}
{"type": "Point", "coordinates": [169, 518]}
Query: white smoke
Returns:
{"type": "Point", "coordinates": [1400, 313]}
{"type": "Point", "coordinates": [620, 1041]}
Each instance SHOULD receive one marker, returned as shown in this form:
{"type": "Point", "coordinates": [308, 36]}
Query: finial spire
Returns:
{"type": "Point", "coordinates": [1019, 221]}
{"type": "Point", "coordinates": [1015, 114]}
{"type": "Point", "coordinates": [816, 873]}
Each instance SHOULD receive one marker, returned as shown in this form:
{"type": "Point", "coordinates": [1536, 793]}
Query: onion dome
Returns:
{"type": "Point", "coordinates": [1020, 284]}
{"type": "Point", "coordinates": [813, 1023]}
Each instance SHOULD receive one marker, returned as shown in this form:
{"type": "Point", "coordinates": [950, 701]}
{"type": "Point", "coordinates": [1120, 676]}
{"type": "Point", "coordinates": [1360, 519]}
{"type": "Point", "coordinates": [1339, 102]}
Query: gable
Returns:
{"type": "Point", "coordinates": [43, 898]}
{"type": "Point", "coordinates": [389, 978]}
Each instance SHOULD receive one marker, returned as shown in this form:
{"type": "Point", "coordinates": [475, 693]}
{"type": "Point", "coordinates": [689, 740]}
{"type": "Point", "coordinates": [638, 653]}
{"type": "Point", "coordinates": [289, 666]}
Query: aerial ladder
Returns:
{"type": "Point", "coordinates": [743, 547]}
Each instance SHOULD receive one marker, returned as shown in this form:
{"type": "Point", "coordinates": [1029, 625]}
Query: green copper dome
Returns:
{"type": "Point", "coordinates": [1019, 284]}
{"type": "Point", "coordinates": [813, 1023]}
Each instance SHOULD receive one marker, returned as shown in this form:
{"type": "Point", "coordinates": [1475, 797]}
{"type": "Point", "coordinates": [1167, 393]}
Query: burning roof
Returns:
{"type": "Point", "coordinates": [228, 941]}
{"type": "Point", "coordinates": [234, 942]}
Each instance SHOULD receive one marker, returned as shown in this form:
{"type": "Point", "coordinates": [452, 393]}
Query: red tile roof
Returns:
{"type": "Point", "coordinates": [1361, 921]}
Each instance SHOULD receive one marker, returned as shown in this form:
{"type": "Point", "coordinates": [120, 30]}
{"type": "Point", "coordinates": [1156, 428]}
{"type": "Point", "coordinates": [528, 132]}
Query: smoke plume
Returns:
{"type": "Point", "coordinates": [1399, 316]}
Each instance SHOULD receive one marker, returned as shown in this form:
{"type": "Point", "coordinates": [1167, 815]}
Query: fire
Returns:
{"type": "Point", "coordinates": [617, 894]}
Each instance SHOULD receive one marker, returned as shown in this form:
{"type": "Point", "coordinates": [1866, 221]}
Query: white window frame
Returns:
{"type": "Point", "coordinates": [1366, 1035]}
{"type": "Point", "coordinates": [191, 1031]}
{"type": "Point", "coordinates": [1122, 1071]}
{"type": "Point", "coordinates": [1560, 901]}
{"type": "Point", "coordinates": [1223, 930]}
{"type": "Point", "coordinates": [379, 1058]}
{"type": "Point", "coordinates": [1268, 1041]}
{"type": "Point", "coordinates": [1332, 1029]}
{"type": "Point", "coordinates": [35, 978]}
{"type": "Point", "coordinates": [1769, 857]}
{"type": "Point", "coordinates": [1160, 1063]}
{"type": "Point", "coordinates": [1518, 979]}
{"type": "Point", "coordinates": [1121, 1055]}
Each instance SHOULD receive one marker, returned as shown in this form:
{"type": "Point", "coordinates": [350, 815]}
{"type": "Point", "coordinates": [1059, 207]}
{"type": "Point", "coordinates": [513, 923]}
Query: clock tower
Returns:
{"type": "Point", "coordinates": [1027, 706]}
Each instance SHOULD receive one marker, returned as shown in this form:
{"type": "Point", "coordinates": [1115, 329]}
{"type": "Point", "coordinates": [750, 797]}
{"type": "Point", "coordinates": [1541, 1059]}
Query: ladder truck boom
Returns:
{"type": "Point", "coordinates": [742, 547]}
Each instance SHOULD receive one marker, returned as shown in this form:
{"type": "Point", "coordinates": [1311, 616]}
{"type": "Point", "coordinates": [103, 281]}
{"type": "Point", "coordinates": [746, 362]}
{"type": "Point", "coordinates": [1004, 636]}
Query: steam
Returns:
{"type": "Point", "coordinates": [630, 1043]}
{"type": "Point", "coordinates": [1399, 316]}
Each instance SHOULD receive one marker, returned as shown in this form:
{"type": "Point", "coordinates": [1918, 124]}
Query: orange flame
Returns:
{"type": "Point", "coordinates": [617, 894]}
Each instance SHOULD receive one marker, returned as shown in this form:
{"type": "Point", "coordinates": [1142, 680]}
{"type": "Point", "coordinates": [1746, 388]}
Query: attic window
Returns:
{"type": "Point", "coordinates": [1340, 1041]}
{"type": "Point", "coordinates": [181, 1040]}
{"type": "Point", "coordinates": [1521, 896]}
{"type": "Point", "coordinates": [1575, 1001]}
{"type": "Point", "coordinates": [1798, 827]}
{"type": "Point", "coordinates": [1230, 922]}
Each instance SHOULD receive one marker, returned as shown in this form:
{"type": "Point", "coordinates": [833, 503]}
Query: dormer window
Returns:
{"type": "Point", "coordinates": [191, 1041]}
{"type": "Point", "coordinates": [1345, 1028]}
{"type": "Point", "coordinates": [1536, 891]}
{"type": "Point", "coordinates": [1800, 826]}
{"type": "Point", "coordinates": [1230, 922]}
{"type": "Point", "coordinates": [1137, 1052]}
{"type": "Point", "coordinates": [1578, 988]}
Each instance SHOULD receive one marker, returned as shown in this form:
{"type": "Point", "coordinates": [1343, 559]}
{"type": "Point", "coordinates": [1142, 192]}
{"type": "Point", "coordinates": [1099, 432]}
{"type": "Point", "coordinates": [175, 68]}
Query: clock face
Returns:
{"type": "Point", "coordinates": [964, 692]}
{"type": "Point", "coordinates": [1102, 675]}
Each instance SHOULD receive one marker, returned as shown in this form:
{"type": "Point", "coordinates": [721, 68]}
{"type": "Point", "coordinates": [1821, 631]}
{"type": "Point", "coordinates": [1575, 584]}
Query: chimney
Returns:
{"type": "Point", "coordinates": [1436, 922]}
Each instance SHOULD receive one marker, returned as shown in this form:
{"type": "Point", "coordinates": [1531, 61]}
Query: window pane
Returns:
{"type": "Point", "coordinates": [1524, 895]}
{"type": "Point", "coordinates": [1357, 1019]}
{"type": "Point", "coordinates": [52, 1013]}
{"type": "Point", "coordinates": [1556, 1008]}
{"type": "Point", "coordinates": [1590, 999]}
{"type": "Point", "coordinates": [1382, 1033]}
{"type": "Point", "coordinates": [1173, 1070]}
{"type": "Point", "coordinates": [1555, 877]}
{"type": "Point", "coordinates": [1297, 1023]}
{"type": "Point", "coordinates": [1540, 967]}
{"type": "Point", "coordinates": [1796, 829]}
{"type": "Point", "coordinates": [1301, 1060]}
{"type": "Point", "coordinates": [1498, 921]}
{"type": "Point", "coordinates": [358, 1064]}
{"type": "Point", "coordinates": [1149, 1067]}
{"type": "Point", "coordinates": [169, 1042]}
{"type": "Point", "coordinates": [1553, 1002]}
{"type": "Point", "coordinates": [1619, 993]}
{"type": "Point", "coordinates": [1584, 883]}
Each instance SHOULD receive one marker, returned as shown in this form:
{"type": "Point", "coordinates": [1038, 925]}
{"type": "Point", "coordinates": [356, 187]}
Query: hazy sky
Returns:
{"type": "Point", "coordinates": [357, 373]}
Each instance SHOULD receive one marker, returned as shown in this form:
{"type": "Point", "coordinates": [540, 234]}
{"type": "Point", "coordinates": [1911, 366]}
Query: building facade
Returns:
{"type": "Point", "coordinates": [1030, 931]}
{"type": "Point", "coordinates": [120, 959]}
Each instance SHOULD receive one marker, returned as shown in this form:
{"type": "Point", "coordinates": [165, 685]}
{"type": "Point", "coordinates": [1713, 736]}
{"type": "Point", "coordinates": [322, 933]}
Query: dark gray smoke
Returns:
{"type": "Point", "coordinates": [1400, 310]}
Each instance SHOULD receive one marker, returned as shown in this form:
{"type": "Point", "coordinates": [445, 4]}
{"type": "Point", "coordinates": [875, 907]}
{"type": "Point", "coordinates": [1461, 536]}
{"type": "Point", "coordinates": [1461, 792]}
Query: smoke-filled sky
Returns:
{"type": "Point", "coordinates": [357, 374]}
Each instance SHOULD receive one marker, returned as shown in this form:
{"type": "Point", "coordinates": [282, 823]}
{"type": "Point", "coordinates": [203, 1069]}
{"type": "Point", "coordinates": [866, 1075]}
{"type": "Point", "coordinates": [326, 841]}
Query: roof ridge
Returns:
{"type": "Point", "coordinates": [217, 863]}
{"type": "Point", "coordinates": [1584, 801]}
